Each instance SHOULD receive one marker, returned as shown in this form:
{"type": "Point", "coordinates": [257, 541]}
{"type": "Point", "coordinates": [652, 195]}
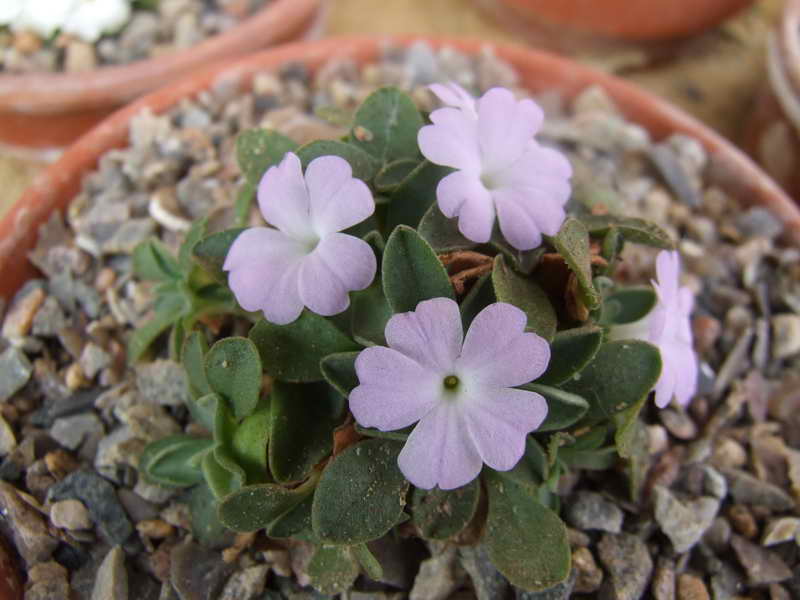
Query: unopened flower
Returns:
{"type": "Point", "coordinates": [671, 331]}
{"type": "Point", "coordinates": [668, 326]}
{"type": "Point", "coordinates": [304, 261]}
{"type": "Point", "coordinates": [460, 389]}
{"type": "Point", "coordinates": [90, 19]}
{"type": "Point", "coordinates": [501, 169]}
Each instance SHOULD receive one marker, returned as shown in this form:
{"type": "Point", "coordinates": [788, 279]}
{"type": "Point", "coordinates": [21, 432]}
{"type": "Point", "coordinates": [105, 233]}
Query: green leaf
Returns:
{"type": "Point", "coordinates": [204, 409]}
{"type": "Point", "coordinates": [196, 233]}
{"type": "Point", "coordinates": [249, 444]}
{"type": "Point", "coordinates": [386, 126]}
{"type": "Point", "coordinates": [294, 523]}
{"type": "Point", "coordinates": [259, 149]}
{"type": "Point", "coordinates": [391, 175]}
{"type": "Point", "coordinates": [631, 440]}
{"type": "Point", "coordinates": [626, 436]}
{"type": "Point", "coordinates": [632, 229]}
{"type": "Point", "coordinates": [372, 568]}
{"type": "Point", "coordinates": [628, 305]}
{"type": "Point", "coordinates": [479, 297]}
{"type": "Point", "coordinates": [442, 233]}
{"type": "Point", "coordinates": [170, 310]}
{"type": "Point", "coordinates": [369, 314]}
{"type": "Point", "coordinates": [303, 419]}
{"type": "Point", "coordinates": [563, 408]}
{"type": "Point", "coordinates": [233, 369]}
{"type": "Point", "coordinates": [175, 460]}
{"type": "Point", "coordinates": [443, 514]}
{"type": "Point", "coordinates": [332, 569]}
{"type": "Point", "coordinates": [527, 542]}
{"type": "Point", "coordinates": [525, 294]}
{"type": "Point", "coordinates": [210, 252]}
{"type": "Point", "coordinates": [340, 371]}
{"type": "Point", "coordinates": [206, 526]}
{"type": "Point", "coordinates": [244, 203]}
{"type": "Point", "coordinates": [255, 507]}
{"type": "Point", "coordinates": [293, 352]}
{"type": "Point", "coordinates": [572, 243]}
{"type": "Point", "coordinates": [152, 261]}
{"type": "Point", "coordinates": [412, 272]}
{"type": "Point", "coordinates": [621, 374]}
{"type": "Point", "coordinates": [364, 165]}
{"type": "Point", "coordinates": [412, 198]}
{"type": "Point", "coordinates": [193, 360]}
{"type": "Point", "coordinates": [400, 435]}
{"type": "Point", "coordinates": [361, 494]}
{"type": "Point", "coordinates": [570, 351]}
{"type": "Point", "coordinates": [598, 459]}
{"type": "Point", "coordinates": [221, 475]}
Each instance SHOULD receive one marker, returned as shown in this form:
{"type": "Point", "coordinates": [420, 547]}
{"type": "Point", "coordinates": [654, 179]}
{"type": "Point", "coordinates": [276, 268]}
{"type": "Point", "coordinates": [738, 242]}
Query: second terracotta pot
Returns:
{"type": "Point", "coordinates": [41, 113]}
{"type": "Point", "coordinates": [637, 20]}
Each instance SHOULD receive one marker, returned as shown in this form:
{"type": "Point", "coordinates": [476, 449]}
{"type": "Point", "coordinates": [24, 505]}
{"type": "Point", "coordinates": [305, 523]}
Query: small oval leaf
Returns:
{"type": "Point", "coordinates": [525, 294]}
{"type": "Point", "coordinates": [175, 460]}
{"type": "Point", "coordinates": [443, 514]}
{"type": "Point", "coordinates": [570, 351]}
{"type": "Point", "coordinates": [233, 369]}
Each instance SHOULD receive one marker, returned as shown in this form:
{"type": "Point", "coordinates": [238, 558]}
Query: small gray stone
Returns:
{"type": "Point", "coordinates": [714, 483]}
{"type": "Point", "coordinates": [589, 576]}
{"type": "Point", "coordinates": [488, 582]}
{"type": "Point", "coordinates": [785, 335]}
{"type": "Point", "coordinates": [197, 573]}
{"type": "Point", "coordinates": [129, 235]}
{"type": "Point", "coordinates": [157, 494]}
{"type": "Point", "coordinates": [25, 525]}
{"type": "Point", "coordinates": [47, 581]}
{"type": "Point", "coordinates": [70, 514]}
{"type": "Point", "coordinates": [762, 566]}
{"type": "Point", "coordinates": [438, 577]}
{"type": "Point", "coordinates": [138, 508]}
{"type": "Point", "coordinates": [111, 582]}
{"type": "Point", "coordinates": [99, 496]}
{"type": "Point", "coordinates": [628, 564]}
{"type": "Point", "coordinates": [781, 530]}
{"type": "Point", "coordinates": [15, 371]}
{"type": "Point", "coordinates": [162, 382]}
{"type": "Point", "coordinates": [8, 441]}
{"type": "Point", "coordinates": [49, 319]}
{"type": "Point", "coordinates": [247, 584]}
{"type": "Point", "coordinates": [590, 510]}
{"type": "Point", "coordinates": [759, 222]}
{"type": "Point", "coordinates": [747, 489]}
{"type": "Point", "coordinates": [93, 360]}
{"type": "Point", "coordinates": [718, 535]}
{"type": "Point", "coordinates": [683, 523]}
{"type": "Point", "coordinates": [71, 431]}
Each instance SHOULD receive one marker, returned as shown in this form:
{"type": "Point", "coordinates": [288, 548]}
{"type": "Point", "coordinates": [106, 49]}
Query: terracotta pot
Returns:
{"type": "Point", "coordinates": [43, 112]}
{"type": "Point", "coordinates": [637, 20]}
{"type": "Point", "coordinates": [55, 187]}
{"type": "Point", "coordinates": [772, 134]}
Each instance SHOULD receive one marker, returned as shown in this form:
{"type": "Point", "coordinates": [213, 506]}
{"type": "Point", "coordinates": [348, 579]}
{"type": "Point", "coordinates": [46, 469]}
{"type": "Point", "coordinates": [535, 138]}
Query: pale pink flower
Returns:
{"type": "Point", "coordinates": [670, 329]}
{"type": "Point", "coordinates": [304, 261]}
{"type": "Point", "coordinates": [460, 389]}
{"type": "Point", "coordinates": [502, 170]}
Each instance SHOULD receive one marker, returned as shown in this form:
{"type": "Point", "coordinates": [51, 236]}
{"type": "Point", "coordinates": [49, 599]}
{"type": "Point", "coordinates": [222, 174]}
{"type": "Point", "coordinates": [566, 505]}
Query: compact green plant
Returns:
{"type": "Point", "coordinates": [437, 337]}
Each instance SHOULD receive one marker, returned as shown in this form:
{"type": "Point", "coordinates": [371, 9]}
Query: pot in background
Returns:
{"type": "Point", "coordinates": [631, 20]}
{"type": "Point", "coordinates": [772, 135]}
{"type": "Point", "coordinates": [40, 113]}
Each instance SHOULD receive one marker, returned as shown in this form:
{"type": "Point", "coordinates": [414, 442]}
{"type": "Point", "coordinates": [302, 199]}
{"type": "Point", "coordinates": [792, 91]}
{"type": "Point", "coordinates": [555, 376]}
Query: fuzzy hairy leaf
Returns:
{"type": "Point", "coordinates": [332, 569]}
{"type": "Point", "coordinates": [572, 242]}
{"type": "Point", "coordinates": [259, 149]}
{"type": "Point", "coordinates": [412, 272]}
{"type": "Point", "coordinates": [210, 252]}
{"type": "Point", "coordinates": [443, 514]}
{"type": "Point", "coordinates": [527, 542]}
{"type": "Point", "coordinates": [412, 198]}
{"type": "Point", "coordinates": [293, 352]}
{"type": "Point", "coordinates": [174, 461]}
{"type": "Point", "coordinates": [632, 229]}
{"type": "Point", "coordinates": [563, 408]}
{"type": "Point", "coordinates": [233, 370]}
{"type": "Point", "coordinates": [361, 494]}
{"type": "Point", "coordinates": [442, 233]}
{"type": "Point", "coordinates": [570, 351]}
{"type": "Point", "coordinates": [363, 164]}
{"type": "Point", "coordinates": [386, 126]}
{"type": "Point", "coordinates": [527, 295]}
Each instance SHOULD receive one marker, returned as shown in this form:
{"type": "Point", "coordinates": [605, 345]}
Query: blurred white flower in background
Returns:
{"type": "Point", "coordinates": [86, 19]}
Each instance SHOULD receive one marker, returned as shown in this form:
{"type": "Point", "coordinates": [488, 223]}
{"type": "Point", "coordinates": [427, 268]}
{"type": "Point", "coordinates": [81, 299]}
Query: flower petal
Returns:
{"type": "Point", "coordinates": [454, 95]}
{"type": "Point", "coordinates": [686, 384]}
{"type": "Point", "coordinates": [451, 141]}
{"type": "Point", "coordinates": [431, 335]}
{"type": "Point", "coordinates": [394, 390]}
{"type": "Point", "coordinates": [499, 419]}
{"type": "Point", "coordinates": [263, 265]}
{"type": "Point", "coordinates": [505, 127]}
{"type": "Point", "coordinates": [665, 386]}
{"type": "Point", "coordinates": [461, 194]}
{"type": "Point", "coordinates": [525, 215]}
{"type": "Point", "coordinates": [337, 199]}
{"type": "Point", "coordinates": [668, 270]}
{"type": "Point", "coordinates": [497, 351]}
{"type": "Point", "coordinates": [283, 198]}
{"type": "Point", "coordinates": [338, 265]}
{"type": "Point", "coordinates": [440, 451]}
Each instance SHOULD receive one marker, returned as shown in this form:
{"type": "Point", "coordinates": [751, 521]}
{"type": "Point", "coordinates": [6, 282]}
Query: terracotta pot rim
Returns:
{"type": "Point", "coordinates": [109, 85]}
{"type": "Point", "coordinates": [61, 181]}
